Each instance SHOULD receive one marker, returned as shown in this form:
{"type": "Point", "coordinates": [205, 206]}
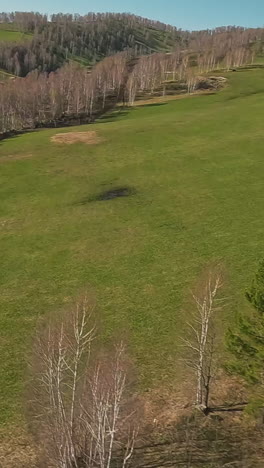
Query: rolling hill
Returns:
{"type": "Point", "coordinates": [132, 209]}
{"type": "Point", "coordinates": [193, 169]}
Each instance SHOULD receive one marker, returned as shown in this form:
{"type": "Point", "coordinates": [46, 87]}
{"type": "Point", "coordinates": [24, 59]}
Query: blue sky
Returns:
{"type": "Point", "coordinates": [185, 14]}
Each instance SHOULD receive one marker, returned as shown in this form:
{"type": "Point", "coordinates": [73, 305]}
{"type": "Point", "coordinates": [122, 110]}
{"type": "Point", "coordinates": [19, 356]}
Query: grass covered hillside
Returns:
{"type": "Point", "coordinates": [10, 35]}
{"type": "Point", "coordinates": [193, 173]}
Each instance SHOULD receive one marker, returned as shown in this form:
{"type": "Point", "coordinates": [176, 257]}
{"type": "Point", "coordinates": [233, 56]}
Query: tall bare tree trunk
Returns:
{"type": "Point", "coordinates": [201, 345]}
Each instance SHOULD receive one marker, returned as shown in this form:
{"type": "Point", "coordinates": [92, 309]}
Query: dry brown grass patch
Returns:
{"type": "Point", "coordinates": [14, 157]}
{"type": "Point", "coordinates": [17, 449]}
{"type": "Point", "coordinates": [166, 406]}
{"type": "Point", "coordinates": [89, 138]}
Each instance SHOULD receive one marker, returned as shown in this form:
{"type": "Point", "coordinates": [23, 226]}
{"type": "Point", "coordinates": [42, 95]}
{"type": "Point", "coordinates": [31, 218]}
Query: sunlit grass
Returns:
{"type": "Point", "coordinates": [196, 170]}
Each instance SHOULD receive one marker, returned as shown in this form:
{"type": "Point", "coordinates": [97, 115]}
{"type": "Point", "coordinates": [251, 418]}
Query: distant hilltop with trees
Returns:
{"type": "Point", "coordinates": [52, 41]}
{"type": "Point", "coordinates": [77, 67]}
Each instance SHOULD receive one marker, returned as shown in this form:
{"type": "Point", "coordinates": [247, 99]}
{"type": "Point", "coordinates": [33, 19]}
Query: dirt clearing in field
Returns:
{"type": "Point", "coordinates": [90, 138]}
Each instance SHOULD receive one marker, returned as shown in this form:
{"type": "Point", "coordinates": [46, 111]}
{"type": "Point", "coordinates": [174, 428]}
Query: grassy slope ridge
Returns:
{"type": "Point", "coordinates": [197, 167]}
{"type": "Point", "coordinates": [157, 40]}
{"type": "Point", "coordinates": [9, 35]}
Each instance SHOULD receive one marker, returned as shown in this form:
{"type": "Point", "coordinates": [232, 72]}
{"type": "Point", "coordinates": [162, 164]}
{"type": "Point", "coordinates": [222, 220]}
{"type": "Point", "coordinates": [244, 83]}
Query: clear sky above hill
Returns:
{"type": "Point", "coordinates": [185, 14]}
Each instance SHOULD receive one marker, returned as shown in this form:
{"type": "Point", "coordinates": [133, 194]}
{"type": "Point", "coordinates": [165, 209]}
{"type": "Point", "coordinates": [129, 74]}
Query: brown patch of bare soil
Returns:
{"type": "Point", "coordinates": [228, 389]}
{"type": "Point", "coordinates": [15, 157]}
{"type": "Point", "coordinates": [167, 406]}
{"type": "Point", "coordinates": [164, 407]}
{"type": "Point", "coordinates": [17, 449]}
{"type": "Point", "coordinates": [89, 138]}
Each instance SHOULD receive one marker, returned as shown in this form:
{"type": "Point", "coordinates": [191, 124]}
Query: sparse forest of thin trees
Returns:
{"type": "Point", "coordinates": [155, 70]}
{"type": "Point", "coordinates": [44, 99]}
{"type": "Point", "coordinates": [73, 92]}
{"type": "Point", "coordinates": [58, 90]}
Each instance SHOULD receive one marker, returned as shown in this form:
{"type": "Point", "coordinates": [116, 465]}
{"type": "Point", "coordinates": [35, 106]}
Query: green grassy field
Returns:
{"type": "Point", "coordinates": [4, 75]}
{"type": "Point", "coordinates": [9, 35]}
{"type": "Point", "coordinates": [196, 166]}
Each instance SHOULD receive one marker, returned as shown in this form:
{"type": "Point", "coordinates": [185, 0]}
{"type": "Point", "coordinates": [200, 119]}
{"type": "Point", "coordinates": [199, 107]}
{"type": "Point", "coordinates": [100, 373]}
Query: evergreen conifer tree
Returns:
{"type": "Point", "coordinates": [247, 342]}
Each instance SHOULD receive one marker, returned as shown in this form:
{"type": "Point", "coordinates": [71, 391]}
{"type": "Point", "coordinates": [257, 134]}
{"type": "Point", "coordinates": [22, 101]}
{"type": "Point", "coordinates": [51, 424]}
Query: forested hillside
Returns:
{"type": "Point", "coordinates": [74, 91]}
{"type": "Point", "coordinates": [82, 38]}
{"type": "Point", "coordinates": [30, 41]}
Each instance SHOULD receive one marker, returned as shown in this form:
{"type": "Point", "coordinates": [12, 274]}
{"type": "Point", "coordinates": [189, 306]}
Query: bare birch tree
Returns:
{"type": "Point", "coordinates": [201, 344]}
{"type": "Point", "coordinates": [80, 410]}
{"type": "Point", "coordinates": [106, 423]}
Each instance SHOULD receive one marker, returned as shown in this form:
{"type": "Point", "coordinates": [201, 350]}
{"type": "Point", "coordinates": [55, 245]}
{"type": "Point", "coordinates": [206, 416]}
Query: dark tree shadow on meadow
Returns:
{"type": "Point", "coordinates": [126, 110]}
{"type": "Point", "coordinates": [153, 104]}
{"type": "Point", "coordinates": [8, 137]}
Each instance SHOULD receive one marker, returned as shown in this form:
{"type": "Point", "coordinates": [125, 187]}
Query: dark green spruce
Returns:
{"type": "Point", "coordinates": [247, 342]}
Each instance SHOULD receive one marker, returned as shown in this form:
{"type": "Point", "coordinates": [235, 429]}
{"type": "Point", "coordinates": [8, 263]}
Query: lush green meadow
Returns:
{"type": "Point", "coordinates": [196, 166]}
{"type": "Point", "coordinates": [10, 35]}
